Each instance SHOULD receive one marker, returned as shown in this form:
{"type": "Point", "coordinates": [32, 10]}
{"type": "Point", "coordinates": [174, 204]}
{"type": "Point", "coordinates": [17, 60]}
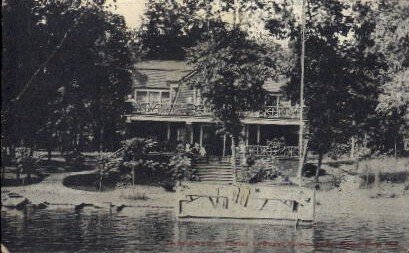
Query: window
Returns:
{"type": "Point", "coordinates": [154, 97]}
{"type": "Point", "coordinates": [271, 100]}
{"type": "Point", "coordinates": [141, 96]}
{"type": "Point", "coordinates": [165, 97]}
{"type": "Point", "coordinates": [181, 132]}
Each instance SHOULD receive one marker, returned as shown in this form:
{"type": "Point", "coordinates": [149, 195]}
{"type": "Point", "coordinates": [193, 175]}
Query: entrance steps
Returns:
{"type": "Point", "coordinates": [222, 174]}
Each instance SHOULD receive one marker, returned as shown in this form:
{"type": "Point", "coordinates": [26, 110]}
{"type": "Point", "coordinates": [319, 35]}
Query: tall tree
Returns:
{"type": "Point", "coordinates": [79, 75]}
{"type": "Point", "coordinates": [326, 94]}
{"type": "Point", "coordinates": [21, 54]}
{"type": "Point", "coordinates": [392, 39]}
{"type": "Point", "coordinates": [169, 28]}
{"type": "Point", "coordinates": [230, 69]}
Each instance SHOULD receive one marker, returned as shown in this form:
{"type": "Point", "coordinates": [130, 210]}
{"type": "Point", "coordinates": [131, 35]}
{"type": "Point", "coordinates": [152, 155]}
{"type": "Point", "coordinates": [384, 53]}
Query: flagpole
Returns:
{"type": "Point", "coordinates": [301, 127]}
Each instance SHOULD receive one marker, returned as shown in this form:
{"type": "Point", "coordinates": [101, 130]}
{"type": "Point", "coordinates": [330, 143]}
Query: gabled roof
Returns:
{"type": "Point", "coordinates": [159, 74]}
{"type": "Point", "coordinates": [274, 85]}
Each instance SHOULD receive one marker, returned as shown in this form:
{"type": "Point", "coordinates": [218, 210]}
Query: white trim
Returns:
{"type": "Point", "coordinates": [144, 89]}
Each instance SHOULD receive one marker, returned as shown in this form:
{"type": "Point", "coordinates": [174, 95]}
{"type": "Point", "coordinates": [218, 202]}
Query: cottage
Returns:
{"type": "Point", "coordinates": [166, 109]}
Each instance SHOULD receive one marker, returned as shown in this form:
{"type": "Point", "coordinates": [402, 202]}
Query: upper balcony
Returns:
{"type": "Point", "coordinates": [161, 93]}
{"type": "Point", "coordinates": [185, 109]}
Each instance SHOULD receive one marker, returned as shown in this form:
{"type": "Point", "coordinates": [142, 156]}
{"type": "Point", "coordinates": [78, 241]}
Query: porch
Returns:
{"type": "Point", "coordinates": [258, 140]}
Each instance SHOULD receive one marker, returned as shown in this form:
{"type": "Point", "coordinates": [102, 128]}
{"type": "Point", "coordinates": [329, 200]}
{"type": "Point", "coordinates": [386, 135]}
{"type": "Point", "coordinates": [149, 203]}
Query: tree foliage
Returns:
{"type": "Point", "coordinates": [392, 39]}
{"type": "Point", "coordinates": [66, 73]}
{"type": "Point", "coordinates": [169, 28]}
{"type": "Point", "coordinates": [230, 71]}
{"type": "Point", "coordinates": [325, 88]}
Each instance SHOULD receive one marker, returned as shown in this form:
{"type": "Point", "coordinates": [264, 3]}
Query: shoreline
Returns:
{"type": "Point", "coordinates": [386, 200]}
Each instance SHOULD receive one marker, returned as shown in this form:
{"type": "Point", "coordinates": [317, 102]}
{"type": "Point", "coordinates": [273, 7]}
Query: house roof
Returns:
{"type": "Point", "coordinates": [274, 85]}
{"type": "Point", "coordinates": [159, 74]}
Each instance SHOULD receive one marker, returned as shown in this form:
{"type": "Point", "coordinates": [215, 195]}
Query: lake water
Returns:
{"type": "Point", "coordinates": [157, 230]}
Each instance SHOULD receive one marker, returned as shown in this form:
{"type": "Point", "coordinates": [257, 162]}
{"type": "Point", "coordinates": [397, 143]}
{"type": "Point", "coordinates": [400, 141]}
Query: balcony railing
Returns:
{"type": "Point", "coordinates": [260, 151]}
{"type": "Point", "coordinates": [271, 112]}
{"type": "Point", "coordinates": [168, 109]}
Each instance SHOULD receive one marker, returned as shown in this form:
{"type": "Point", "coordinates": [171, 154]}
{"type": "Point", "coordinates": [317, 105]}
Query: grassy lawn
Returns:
{"type": "Point", "coordinates": [42, 169]}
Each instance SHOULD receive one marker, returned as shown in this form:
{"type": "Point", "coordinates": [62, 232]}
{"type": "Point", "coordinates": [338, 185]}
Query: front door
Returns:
{"type": "Point", "coordinates": [215, 144]}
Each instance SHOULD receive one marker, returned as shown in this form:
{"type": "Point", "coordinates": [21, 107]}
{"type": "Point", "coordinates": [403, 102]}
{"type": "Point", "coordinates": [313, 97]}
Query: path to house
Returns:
{"type": "Point", "coordinates": [388, 199]}
{"type": "Point", "coordinates": [52, 190]}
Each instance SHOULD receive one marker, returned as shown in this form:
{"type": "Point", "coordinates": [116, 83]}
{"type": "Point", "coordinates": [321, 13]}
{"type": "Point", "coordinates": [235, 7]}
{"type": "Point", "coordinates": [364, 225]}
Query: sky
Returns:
{"type": "Point", "coordinates": [132, 10]}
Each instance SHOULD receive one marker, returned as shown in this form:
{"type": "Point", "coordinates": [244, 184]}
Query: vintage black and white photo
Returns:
{"type": "Point", "coordinates": [205, 126]}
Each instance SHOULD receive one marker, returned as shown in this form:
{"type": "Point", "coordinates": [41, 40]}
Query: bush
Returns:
{"type": "Point", "coordinates": [137, 148]}
{"type": "Point", "coordinates": [74, 158]}
{"type": "Point", "coordinates": [257, 172]}
{"type": "Point", "coordinates": [154, 169]}
{"type": "Point", "coordinates": [309, 170]}
{"type": "Point", "coordinates": [181, 165]}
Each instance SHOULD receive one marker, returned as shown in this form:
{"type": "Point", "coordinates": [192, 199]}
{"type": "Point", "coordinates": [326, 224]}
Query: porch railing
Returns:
{"type": "Point", "coordinates": [260, 151]}
{"type": "Point", "coordinates": [271, 112]}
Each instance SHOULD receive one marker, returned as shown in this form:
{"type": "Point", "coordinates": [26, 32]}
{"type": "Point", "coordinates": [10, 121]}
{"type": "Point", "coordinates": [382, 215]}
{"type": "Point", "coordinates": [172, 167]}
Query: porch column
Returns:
{"type": "Point", "coordinates": [258, 134]}
{"type": "Point", "coordinates": [224, 145]}
{"type": "Point", "coordinates": [242, 146]}
{"type": "Point", "coordinates": [168, 133]}
{"type": "Point", "coordinates": [189, 132]}
{"type": "Point", "coordinates": [247, 129]}
{"type": "Point", "coordinates": [201, 135]}
{"type": "Point", "coordinates": [160, 97]}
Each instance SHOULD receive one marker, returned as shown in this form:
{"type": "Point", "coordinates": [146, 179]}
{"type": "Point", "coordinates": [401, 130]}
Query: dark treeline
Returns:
{"type": "Point", "coordinates": [67, 67]}
{"type": "Point", "coordinates": [65, 75]}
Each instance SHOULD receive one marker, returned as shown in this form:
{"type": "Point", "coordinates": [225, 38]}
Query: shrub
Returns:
{"type": "Point", "coordinates": [309, 170]}
{"type": "Point", "coordinates": [257, 172]}
{"type": "Point", "coordinates": [154, 168]}
{"type": "Point", "coordinates": [137, 148]}
{"type": "Point", "coordinates": [181, 165]}
{"type": "Point", "coordinates": [74, 158]}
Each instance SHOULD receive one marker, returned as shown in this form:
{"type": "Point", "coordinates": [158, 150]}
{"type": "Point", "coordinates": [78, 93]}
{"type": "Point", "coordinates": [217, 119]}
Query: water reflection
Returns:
{"type": "Point", "coordinates": [154, 230]}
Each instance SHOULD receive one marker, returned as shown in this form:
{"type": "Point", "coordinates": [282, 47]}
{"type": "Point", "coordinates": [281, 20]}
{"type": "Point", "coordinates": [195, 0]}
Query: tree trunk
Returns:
{"type": "Point", "coordinates": [13, 150]}
{"type": "Point", "coordinates": [133, 174]}
{"type": "Point", "coordinates": [317, 172]}
{"type": "Point", "coordinates": [18, 173]}
{"type": "Point", "coordinates": [3, 174]}
{"type": "Point", "coordinates": [233, 155]}
{"type": "Point", "coordinates": [377, 179]}
{"type": "Point", "coordinates": [303, 160]}
{"type": "Point", "coordinates": [49, 154]}
{"type": "Point", "coordinates": [395, 149]}
{"type": "Point", "coordinates": [101, 136]}
{"type": "Point", "coordinates": [101, 176]}
{"type": "Point", "coordinates": [352, 154]}
{"type": "Point", "coordinates": [356, 164]}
